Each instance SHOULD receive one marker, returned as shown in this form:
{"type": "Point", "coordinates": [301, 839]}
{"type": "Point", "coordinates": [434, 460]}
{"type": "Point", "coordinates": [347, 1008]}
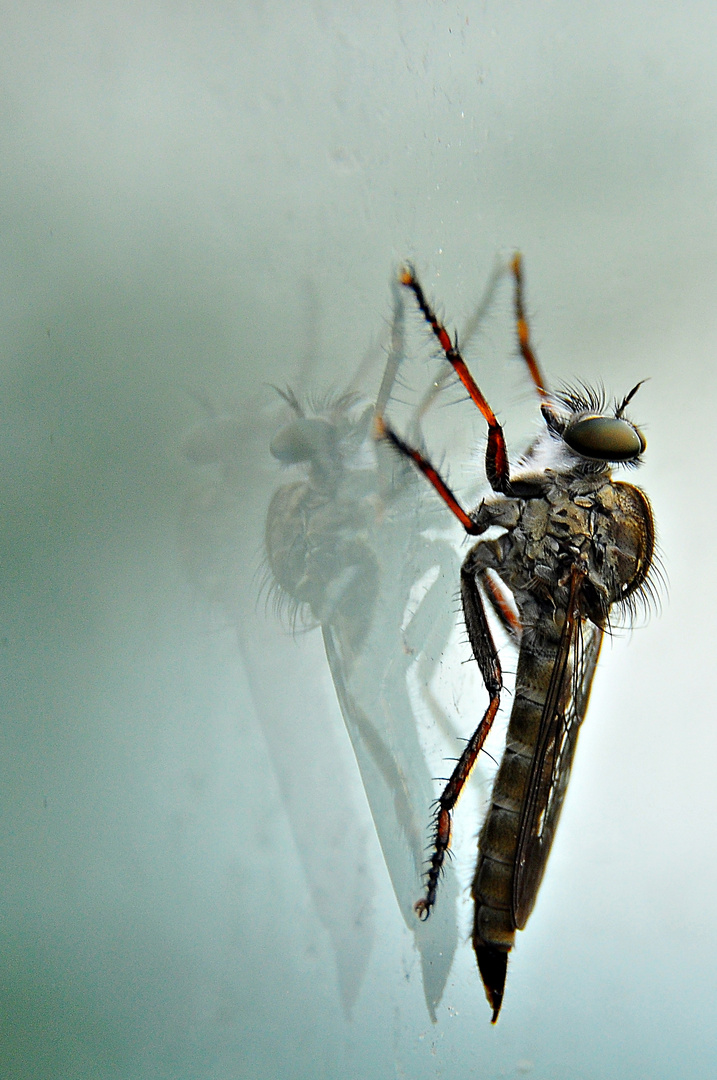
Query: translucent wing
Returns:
{"type": "Point", "coordinates": [563, 712]}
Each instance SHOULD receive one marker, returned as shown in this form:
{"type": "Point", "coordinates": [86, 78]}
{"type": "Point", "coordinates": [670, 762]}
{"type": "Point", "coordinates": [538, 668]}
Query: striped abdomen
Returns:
{"type": "Point", "coordinates": [494, 922]}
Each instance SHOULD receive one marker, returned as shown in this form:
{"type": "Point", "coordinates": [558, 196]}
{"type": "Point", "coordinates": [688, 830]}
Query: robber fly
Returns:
{"type": "Point", "coordinates": [574, 544]}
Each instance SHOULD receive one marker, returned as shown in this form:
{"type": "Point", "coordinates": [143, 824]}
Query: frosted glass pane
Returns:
{"type": "Point", "coordinates": [207, 870]}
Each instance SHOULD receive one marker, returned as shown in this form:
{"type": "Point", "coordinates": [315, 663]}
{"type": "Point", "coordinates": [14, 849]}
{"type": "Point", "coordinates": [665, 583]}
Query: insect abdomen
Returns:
{"type": "Point", "coordinates": [494, 926]}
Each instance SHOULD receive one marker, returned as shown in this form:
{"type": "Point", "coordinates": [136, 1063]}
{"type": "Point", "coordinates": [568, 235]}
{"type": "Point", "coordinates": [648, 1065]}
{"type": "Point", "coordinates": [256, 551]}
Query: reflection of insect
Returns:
{"type": "Point", "coordinates": [574, 543]}
{"type": "Point", "coordinates": [347, 549]}
{"type": "Point", "coordinates": [220, 536]}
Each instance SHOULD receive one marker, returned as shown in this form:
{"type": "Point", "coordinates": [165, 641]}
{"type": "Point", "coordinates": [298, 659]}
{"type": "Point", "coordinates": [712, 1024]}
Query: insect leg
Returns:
{"type": "Point", "coordinates": [496, 456]}
{"type": "Point", "coordinates": [469, 330]}
{"type": "Point", "coordinates": [486, 656]}
{"type": "Point", "coordinates": [521, 323]}
{"type": "Point", "coordinates": [383, 431]}
{"type": "Point", "coordinates": [501, 604]}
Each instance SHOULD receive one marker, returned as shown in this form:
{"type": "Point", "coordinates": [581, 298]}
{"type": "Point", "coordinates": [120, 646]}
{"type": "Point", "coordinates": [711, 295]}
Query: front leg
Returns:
{"type": "Point", "coordinates": [486, 655]}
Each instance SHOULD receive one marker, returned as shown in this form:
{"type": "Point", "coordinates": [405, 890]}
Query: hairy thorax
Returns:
{"type": "Point", "coordinates": [586, 522]}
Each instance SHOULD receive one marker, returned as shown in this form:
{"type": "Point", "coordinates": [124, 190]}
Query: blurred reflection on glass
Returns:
{"type": "Point", "coordinates": [223, 519]}
{"type": "Point", "coordinates": [349, 550]}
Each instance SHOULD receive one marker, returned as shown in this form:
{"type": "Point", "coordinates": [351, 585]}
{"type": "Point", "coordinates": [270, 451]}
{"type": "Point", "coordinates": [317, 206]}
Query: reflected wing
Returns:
{"type": "Point", "coordinates": [373, 689]}
{"type": "Point", "coordinates": [563, 712]}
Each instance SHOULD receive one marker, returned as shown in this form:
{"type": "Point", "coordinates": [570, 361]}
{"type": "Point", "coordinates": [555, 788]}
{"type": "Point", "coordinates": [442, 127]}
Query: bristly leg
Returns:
{"type": "Point", "coordinates": [486, 656]}
{"type": "Point", "coordinates": [496, 456]}
{"type": "Point", "coordinates": [383, 431]}
{"type": "Point", "coordinates": [446, 804]}
{"type": "Point", "coordinates": [484, 649]}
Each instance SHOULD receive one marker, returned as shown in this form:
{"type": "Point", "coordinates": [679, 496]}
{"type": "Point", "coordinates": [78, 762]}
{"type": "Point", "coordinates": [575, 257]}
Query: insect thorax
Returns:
{"type": "Point", "coordinates": [591, 523]}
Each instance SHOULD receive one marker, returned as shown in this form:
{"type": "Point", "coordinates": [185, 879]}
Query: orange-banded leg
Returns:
{"type": "Point", "coordinates": [486, 656]}
{"type": "Point", "coordinates": [496, 456]}
{"type": "Point", "coordinates": [383, 431]}
{"type": "Point", "coordinates": [484, 650]}
{"type": "Point", "coordinates": [497, 466]}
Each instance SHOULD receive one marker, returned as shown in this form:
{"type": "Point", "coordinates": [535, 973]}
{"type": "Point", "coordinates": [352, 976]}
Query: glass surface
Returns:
{"type": "Point", "coordinates": [200, 203]}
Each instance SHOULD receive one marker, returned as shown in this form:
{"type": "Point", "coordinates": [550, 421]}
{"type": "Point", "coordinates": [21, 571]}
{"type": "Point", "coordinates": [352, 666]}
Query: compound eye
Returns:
{"type": "Point", "coordinates": [303, 440]}
{"type": "Point", "coordinates": [605, 438]}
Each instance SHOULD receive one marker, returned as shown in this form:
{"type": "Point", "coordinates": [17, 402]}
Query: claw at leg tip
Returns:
{"type": "Point", "coordinates": [422, 909]}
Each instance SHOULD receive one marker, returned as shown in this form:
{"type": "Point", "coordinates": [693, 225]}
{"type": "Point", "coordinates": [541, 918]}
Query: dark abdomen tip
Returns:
{"type": "Point", "coordinates": [492, 964]}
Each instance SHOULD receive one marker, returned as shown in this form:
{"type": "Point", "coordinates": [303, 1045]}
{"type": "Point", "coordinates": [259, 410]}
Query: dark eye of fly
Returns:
{"type": "Point", "coordinates": [604, 438]}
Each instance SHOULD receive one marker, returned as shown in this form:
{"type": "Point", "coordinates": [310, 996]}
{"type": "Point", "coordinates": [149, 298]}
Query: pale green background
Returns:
{"type": "Point", "coordinates": [193, 198]}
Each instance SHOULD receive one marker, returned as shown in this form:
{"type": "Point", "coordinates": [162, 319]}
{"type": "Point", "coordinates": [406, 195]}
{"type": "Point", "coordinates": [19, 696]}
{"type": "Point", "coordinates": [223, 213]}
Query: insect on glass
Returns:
{"type": "Point", "coordinates": [575, 543]}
